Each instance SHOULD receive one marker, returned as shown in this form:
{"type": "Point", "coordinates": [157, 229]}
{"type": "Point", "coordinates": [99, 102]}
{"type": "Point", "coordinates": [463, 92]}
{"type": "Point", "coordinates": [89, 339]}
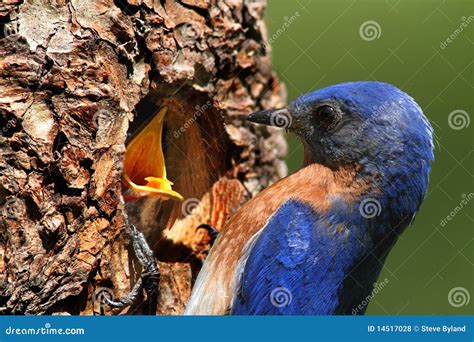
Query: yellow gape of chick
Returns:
{"type": "Point", "coordinates": [144, 169]}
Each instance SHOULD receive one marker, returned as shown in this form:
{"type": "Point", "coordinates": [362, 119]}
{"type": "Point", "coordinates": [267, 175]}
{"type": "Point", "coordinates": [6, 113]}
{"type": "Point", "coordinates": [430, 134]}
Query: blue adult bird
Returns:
{"type": "Point", "coordinates": [314, 243]}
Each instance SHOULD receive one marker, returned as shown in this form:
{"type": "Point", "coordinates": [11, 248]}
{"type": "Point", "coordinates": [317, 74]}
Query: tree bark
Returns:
{"type": "Point", "coordinates": [78, 76]}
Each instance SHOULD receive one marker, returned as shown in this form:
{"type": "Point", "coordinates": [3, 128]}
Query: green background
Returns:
{"type": "Point", "coordinates": [323, 47]}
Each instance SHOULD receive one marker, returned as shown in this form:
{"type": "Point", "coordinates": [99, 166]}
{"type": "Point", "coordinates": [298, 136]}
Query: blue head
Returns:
{"type": "Point", "coordinates": [371, 125]}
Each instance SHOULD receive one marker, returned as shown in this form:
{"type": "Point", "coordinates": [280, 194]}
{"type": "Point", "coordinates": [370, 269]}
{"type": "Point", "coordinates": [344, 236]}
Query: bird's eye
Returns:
{"type": "Point", "coordinates": [326, 117]}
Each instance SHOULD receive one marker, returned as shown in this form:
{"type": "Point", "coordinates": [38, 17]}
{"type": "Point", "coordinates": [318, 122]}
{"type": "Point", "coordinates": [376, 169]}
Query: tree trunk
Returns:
{"type": "Point", "coordinates": [77, 77]}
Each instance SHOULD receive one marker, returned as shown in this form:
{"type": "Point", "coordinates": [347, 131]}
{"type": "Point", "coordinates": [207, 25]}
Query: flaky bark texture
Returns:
{"type": "Point", "coordinates": [76, 77]}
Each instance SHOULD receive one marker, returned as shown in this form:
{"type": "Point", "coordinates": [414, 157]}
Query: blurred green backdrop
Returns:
{"type": "Point", "coordinates": [317, 43]}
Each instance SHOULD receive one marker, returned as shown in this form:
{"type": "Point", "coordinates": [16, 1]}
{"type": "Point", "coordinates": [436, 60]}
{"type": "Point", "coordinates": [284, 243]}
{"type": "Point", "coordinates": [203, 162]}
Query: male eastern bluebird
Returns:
{"type": "Point", "coordinates": [315, 242]}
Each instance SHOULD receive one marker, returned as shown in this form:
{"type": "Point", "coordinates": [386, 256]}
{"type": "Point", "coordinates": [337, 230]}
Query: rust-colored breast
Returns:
{"type": "Point", "coordinates": [314, 184]}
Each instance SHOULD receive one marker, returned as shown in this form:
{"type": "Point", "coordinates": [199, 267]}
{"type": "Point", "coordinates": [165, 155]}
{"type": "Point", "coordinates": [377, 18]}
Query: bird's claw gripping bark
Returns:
{"type": "Point", "coordinates": [150, 277]}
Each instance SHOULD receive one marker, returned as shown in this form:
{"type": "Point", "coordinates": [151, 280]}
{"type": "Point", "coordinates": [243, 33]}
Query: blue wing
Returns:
{"type": "Point", "coordinates": [295, 266]}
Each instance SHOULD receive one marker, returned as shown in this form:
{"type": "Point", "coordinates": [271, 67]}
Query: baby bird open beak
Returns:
{"type": "Point", "coordinates": [144, 169]}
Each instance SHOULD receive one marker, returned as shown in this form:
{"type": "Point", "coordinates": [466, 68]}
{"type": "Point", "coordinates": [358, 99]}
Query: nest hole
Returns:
{"type": "Point", "coordinates": [196, 153]}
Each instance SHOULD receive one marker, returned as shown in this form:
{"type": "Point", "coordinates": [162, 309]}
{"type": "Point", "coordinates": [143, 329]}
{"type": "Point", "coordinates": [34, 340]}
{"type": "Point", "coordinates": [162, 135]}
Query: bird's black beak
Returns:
{"type": "Point", "coordinates": [272, 117]}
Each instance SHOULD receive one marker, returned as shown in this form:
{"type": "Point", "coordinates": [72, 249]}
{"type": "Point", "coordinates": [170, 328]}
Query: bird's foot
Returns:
{"type": "Point", "coordinates": [213, 232]}
{"type": "Point", "coordinates": [150, 277]}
